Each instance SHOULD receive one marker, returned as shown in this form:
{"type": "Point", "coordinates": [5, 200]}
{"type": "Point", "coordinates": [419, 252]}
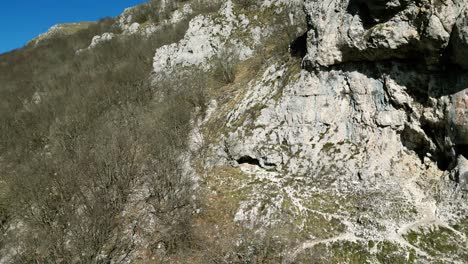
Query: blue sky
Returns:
{"type": "Point", "coordinates": [22, 20]}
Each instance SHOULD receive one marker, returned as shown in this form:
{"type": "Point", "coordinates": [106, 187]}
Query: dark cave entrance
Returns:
{"type": "Point", "coordinates": [298, 48]}
{"type": "Point", "coordinates": [359, 7]}
{"type": "Point", "coordinates": [445, 158]}
{"type": "Point", "coordinates": [462, 150]}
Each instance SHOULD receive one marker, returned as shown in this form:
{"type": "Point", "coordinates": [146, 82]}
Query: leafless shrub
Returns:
{"type": "Point", "coordinates": [225, 64]}
{"type": "Point", "coordinates": [73, 158]}
{"type": "Point", "coordinates": [245, 3]}
{"type": "Point", "coordinates": [206, 6]}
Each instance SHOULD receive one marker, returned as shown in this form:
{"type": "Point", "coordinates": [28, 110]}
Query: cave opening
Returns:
{"type": "Point", "coordinates": [462, 149]}
{"type": "Point", "coordinates": [373, 12]}
{"type": "Point", "coordinates": [415, 141]}
{"type": "Point", "coordinates": [444, 162]}
{"type": "Point", "coordinates": [360, 8]}
{"type": "Point", "coordinates": [298, 48]}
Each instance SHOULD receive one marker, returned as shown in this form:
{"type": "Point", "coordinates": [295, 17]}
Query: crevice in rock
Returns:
{"type": "Point", "coordinates": [268, 164]}
{"type": "Point", "coordinates": [422, 142]}
{"type": "Point", "coordinates": [298, 48]}
{"type": "Point", "coordinates": [248, 160]}
{"type": "Point", "coordinates": [416, 141]}
{"type": "Point", "coordinates": [256, 162]}
{"type": "Point", "coordinates": [423, 84]}
{"type": "Point", "coordinates": [437, 133]}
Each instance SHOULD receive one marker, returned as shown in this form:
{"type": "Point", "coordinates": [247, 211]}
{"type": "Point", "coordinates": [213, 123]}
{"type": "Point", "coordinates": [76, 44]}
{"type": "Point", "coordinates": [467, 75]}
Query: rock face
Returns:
{"type": "Point", "coordinates": [355, 140]}
{"type": "Point", "coordinates": [351, 135]}
{"type": "Point", "coordinates": [460, 40]}
{"type": "Point", "coordinates": [458, 113]}
{"type": "Point", "coordinates": [462, 170]}
{"type": "Point", "coordinates": [358, 30]}
{"type": "Point", "coordinates": [428, 35]}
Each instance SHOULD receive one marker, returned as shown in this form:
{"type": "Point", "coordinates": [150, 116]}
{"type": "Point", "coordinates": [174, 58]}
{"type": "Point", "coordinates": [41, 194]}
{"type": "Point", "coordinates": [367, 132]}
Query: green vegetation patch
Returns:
{"type": "Point", "coordinates": [391, 253]}
{"type": "Point", "coordinates": [357, 252]}
{"type": "Point", "coordinates": [438, 242]}
{"type": "Point", "coordinates": [462, 226]}
{"type": "Point", "coordinates": [319, 225]}
{"type": "Point", "coordinates": [338, 252]}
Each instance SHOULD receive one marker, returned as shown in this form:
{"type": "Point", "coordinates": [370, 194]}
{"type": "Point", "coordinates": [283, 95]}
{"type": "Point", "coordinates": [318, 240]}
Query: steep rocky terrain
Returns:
{"type": "Point", "coordinates": [334, 131]}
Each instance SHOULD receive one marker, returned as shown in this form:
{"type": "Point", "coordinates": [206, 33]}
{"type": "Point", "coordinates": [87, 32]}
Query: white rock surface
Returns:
{"type": "Point", "coordinates": [99, 39]}
{"type": "Point", "coordinates": [206, 37]}
{"type": "Point", "coordinates": [345, 30]}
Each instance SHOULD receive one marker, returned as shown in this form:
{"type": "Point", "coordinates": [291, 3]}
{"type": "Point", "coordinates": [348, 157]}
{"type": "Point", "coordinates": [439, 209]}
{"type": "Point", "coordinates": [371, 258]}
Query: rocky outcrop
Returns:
{"type": "Point", "coordinates": [459, 40]}
{"type": "Point", "coordinates": [359, 30]}
{"type": "Point", "coordinates": [462, 172]}
{"type": "Point", "coordinates": [458, 114]}
{"type": "Point", "coordinates": [60, 29]}
{"type": "Point", "coordinates": [423, 33]}
{"type": "Point", "coordinates": [378, 115]}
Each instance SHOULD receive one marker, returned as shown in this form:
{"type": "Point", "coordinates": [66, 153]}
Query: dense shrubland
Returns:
{"type": "Point", "coordinates": [77, 131]}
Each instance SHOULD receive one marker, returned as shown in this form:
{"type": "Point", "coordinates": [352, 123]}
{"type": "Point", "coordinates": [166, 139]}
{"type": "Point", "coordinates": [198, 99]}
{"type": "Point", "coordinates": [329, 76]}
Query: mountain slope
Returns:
{"type": "Point", "coordinates": [240, 131]}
